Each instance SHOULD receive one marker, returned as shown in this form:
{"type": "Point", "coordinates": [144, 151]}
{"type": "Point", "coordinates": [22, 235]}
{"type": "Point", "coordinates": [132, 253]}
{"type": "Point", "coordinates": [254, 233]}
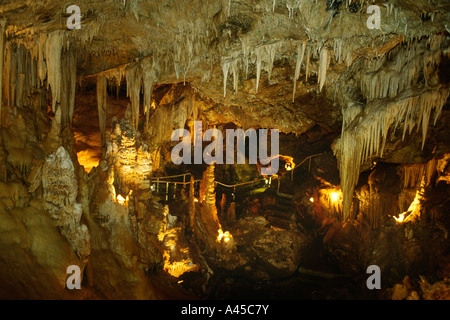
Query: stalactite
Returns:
{"type": "Point", "coordinates": [42, 66]}
{"type": "Point", "coordinates": [417, 110]}
{"type": "Point", "coordinates": [271, 53]}
{"type": "Point", "coordinates": [235, 71]}
{"type": "Point", "coordinates": [53, 48]}
{"type": "Point", "coordinates": [374, 204]}
{"type": "Point", "coordinates": [366, 135]}
{"type": "Point", "coordinates": [148, 80]}
{"type": "Point", "coordinates": [89, 31]}
{"type": "Point", "coordinates": [258, 66]}
{"type": "Point", "coordinates": [115, 76]}
{"type": "Point", "coordinates": [133, 91]}
{"type": "Point", "coordinates": [307, 68]}
{"type": "Point", "coordinates": [349, 114]}
{"type": "Point", "coordinates": [265, 57]}
{"type": "Point", "coordinates": [73, 83]}
{"type": "Point", "coordinates": [13, 75]}
{"type": "Point", "coordinates": [32, 79]}
{"type": "Point", "coordinates": [2, 50]}
{"type": "Point", "coordinates": [225, 70]}
{"type": "Point", "coordinates": [7, 73]}
{"type": "Point", "coordinates": [337, 47]}
{"type": "Point", "coordinates": [20, 82]}
{"type": "Point", "coordinates": [245, 52]}
{"type": "Point", "coordinates": [230, 65]}
{"type": "Point", "coordinates": [394, 77]}
{"type": "Point", "coordinates": [68, 86]}
{"type": "Point", "coordinates": [323, 66]}
{"type": "Point", "coordinates": [414, 175]}
{"type": "Point", "coordinates": [23, 75]}
{"type": "Point", "coordinates": [300, 55]}
{"type": "Point", "coordinates": [101, 105]}
{"type": "Point", "coordinates": [290, 7]}
{"type": "Point", "coordinates": [390, 77]}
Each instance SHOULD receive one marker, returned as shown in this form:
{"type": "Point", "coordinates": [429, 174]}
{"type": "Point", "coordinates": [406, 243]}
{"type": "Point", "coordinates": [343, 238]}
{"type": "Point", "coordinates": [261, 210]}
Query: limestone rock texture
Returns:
{"type": "Point", "coordinates": [86, 122]}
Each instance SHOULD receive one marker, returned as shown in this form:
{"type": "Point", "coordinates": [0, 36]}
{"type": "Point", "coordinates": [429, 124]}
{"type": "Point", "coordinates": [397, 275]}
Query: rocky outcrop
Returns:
{"type": "Point", "coordinates": [270, 253]}
{"type": "Point", "coordinates": [124, 219]}
{"type": "Point", "coordinates": [34, 255]}
{"type": "Point", "coordinates": [60, 195]}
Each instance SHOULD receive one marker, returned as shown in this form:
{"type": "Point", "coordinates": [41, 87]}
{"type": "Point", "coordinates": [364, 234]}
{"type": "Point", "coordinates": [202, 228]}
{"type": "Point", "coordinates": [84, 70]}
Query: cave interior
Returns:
{"type": "Point", "coordinates": [341, 160]}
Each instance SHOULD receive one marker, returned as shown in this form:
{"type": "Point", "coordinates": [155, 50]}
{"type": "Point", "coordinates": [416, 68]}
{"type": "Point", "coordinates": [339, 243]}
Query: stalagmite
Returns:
{"type": "Point", "coordinates": [101, 105]}
{"type": "Point", "coordinates": [2, 50]}
{"type": "Point", "coordinates": [191, 202]}
{"type": "Point", "coordinates": [210, 193]}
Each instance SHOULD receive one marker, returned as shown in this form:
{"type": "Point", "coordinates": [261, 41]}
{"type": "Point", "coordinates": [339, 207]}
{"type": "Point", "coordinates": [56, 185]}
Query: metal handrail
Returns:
{"type": "Point", "coordinates": [170, 177]}
{"type": "Point", "coordinates": [157, 179]}
{"type": "Point", "coordinates": [308, 157]}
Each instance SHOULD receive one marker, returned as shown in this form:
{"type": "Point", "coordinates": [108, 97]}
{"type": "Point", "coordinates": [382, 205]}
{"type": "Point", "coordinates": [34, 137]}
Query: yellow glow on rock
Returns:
{"type": "Point", "coordinates": [120, 199]}
{"type": "Point", "coordinates": [335, 196]}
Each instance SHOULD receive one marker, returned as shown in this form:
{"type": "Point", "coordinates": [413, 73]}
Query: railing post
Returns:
{"type": "Point", "coordinates": [174, 190]}
{"type": "Point", "coordinates": [157, 185]}
{"type": "Point", "coordinates": [167, 191]}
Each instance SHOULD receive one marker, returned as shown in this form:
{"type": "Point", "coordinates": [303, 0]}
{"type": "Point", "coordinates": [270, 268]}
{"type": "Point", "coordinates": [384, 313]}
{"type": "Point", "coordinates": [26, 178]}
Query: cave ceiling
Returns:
{"type": "Point", "coordinates": [201, 42]}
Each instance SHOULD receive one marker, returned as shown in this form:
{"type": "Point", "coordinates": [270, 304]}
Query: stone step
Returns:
{"type": "Point", "coordinates": [279, 222]}
{"type": "Point", "coordinates": [282, 212]}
